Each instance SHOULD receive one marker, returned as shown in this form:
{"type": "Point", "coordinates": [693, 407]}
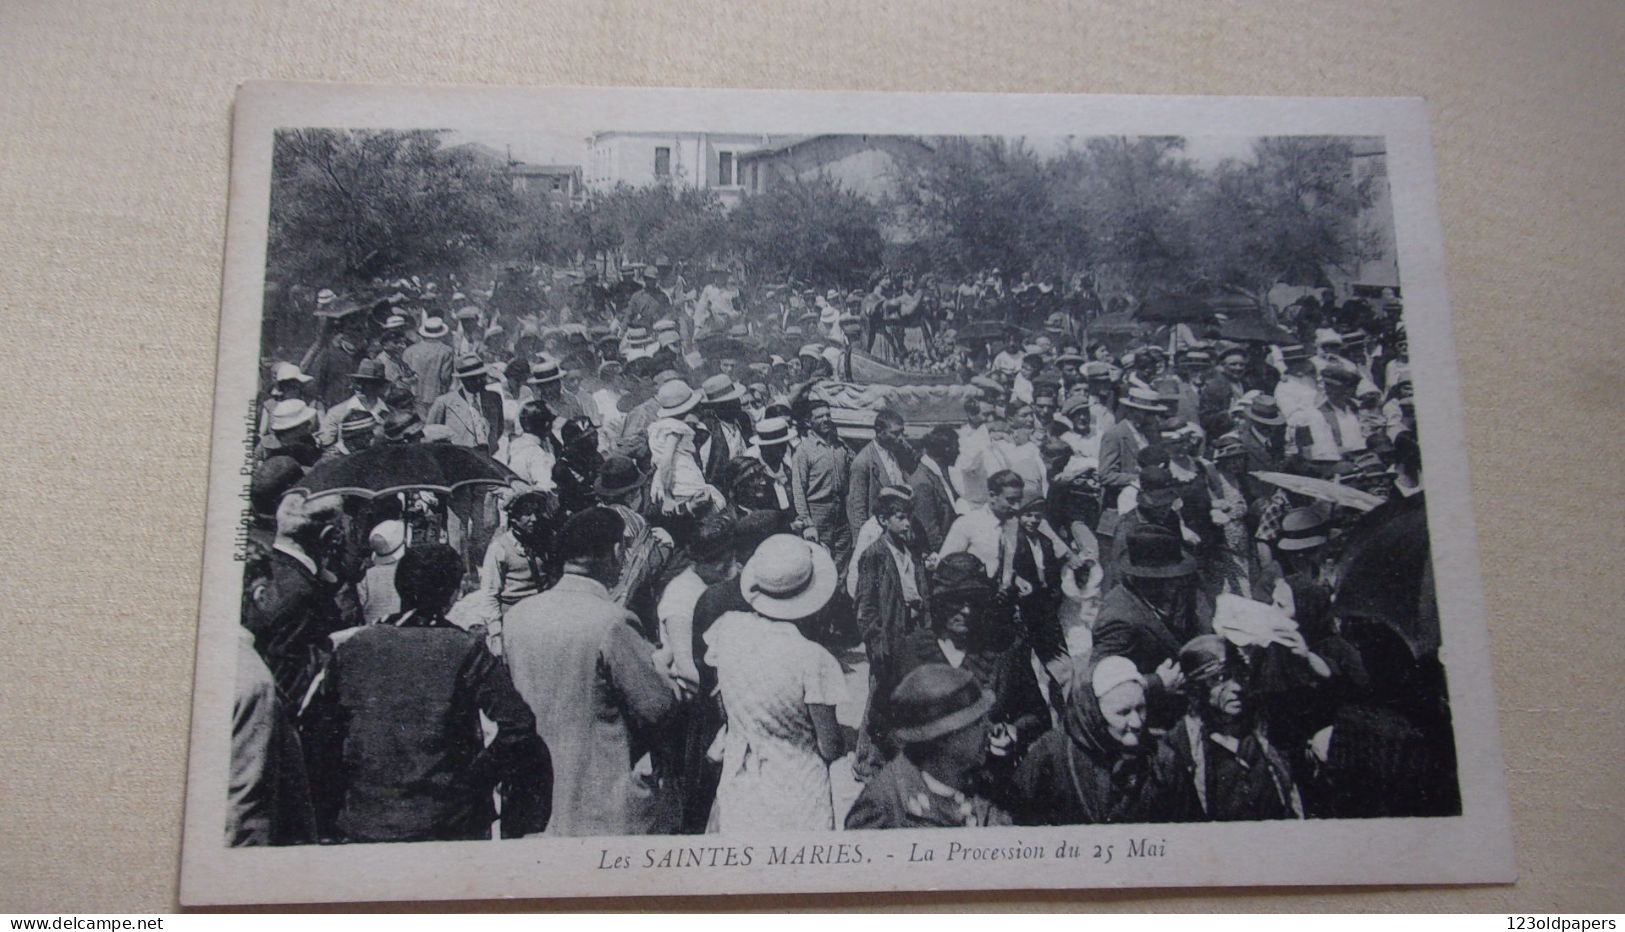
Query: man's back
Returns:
{"type": "Point", "coordinates": [432, 362]}
{"type": "Point", "coordinates": [589, 678]}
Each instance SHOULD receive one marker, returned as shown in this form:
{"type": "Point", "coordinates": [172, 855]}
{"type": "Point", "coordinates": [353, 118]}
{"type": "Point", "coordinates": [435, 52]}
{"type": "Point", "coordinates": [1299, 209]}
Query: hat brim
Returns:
{"type": "Point", "coordinates": [479, 373]}
{"type": "Point", "coordinates": [1131, 403]}
{"type": "Point", "coordinates": [545, 381]}
{"type": "Point", "coordinates": [772, 441]}
{"type": "Point", "coordinates": [301, 420]}
{"type": "Point", "coordinates": [1185, 567]}
{"type": "Point", "coordinates": [734, 394]}
{"type": "Point", "coordinates": [613, 491]}
{"type": "Point", "coordinates": [948, 724]}
{"type": "Point", "coordinates": [1275, 421]}
{"type": "Point", "coordinates": [1290, 544]}
{"type": "Point", "coordinates": [801, 605]}
{"type": "Point", "coordinates": [687, 406]}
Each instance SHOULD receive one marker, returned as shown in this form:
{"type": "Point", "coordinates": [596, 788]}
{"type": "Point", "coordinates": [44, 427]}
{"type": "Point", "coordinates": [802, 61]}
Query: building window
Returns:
{"type": "Point", "coordinates": [558, 185]}
{"type": "Point", "coordinates": [662, 162]}
{"type": "Point", "coordinates": [725, 168]}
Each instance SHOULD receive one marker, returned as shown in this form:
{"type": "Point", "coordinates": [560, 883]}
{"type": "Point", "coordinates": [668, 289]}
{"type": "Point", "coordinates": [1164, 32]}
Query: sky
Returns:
{"type": "Point", "coordinates": [567, 144]}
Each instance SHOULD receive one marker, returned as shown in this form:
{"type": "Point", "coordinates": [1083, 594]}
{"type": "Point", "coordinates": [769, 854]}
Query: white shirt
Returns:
{"type": "Point", "coordinates": [981, 533]}
{"type": "Point", "coordinates": [533, 462]}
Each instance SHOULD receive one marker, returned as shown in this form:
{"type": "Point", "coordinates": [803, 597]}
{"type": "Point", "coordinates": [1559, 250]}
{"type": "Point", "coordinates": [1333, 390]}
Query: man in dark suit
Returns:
{"type": "Point", "coordinates": [293, 609]}
{"type": "Point", "coordinates": [1151, 614]}
{"type": "Point", "coordinates": [885, 461]}
{"type": "Point", "coordinates": [934, 492]}
{"type": "Point", "coordinates": [1120, 446]}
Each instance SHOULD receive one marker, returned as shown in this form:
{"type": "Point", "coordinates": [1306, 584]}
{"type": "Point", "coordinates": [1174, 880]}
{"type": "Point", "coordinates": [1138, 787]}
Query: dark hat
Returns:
{"type": "Point", "coordinates": [575, 429]}
{"type": "Point", "coordinates": [960, 576]}
{"type": "Point", "coordinates": [1339, 371]}
{"type": "Point", "coordinates": [936, 700]}
{"type": "Point", "coordinates": [470, 366]}
{"type": "Point", "coordinates": [368, 370]}
{"type": "Point", "coordinates": [589, 531]}
{"type": "Point", "coordinates": [1228, 445]}
{"type": "Point", "coordinates": [1302, 529]}
{"type": "Point", "coordinates": [1156, 553]}
{"type": "Point", "coordinates": [618, 476]}
{"type": "Point", "coordinates": [1204, 657]}
{"type": "Point", "coordinates": [897, 493]}
{"type": "Point", "coordinates": [272, 477]}
{"type": "Point", "coordinates": [402, 425]}
{"type": "Point", "coordinates": [1265, 411]}
{"type": "Point", "coordinates": [714, 539]}
{"type": "Point", "coordinates": [1155, 479]}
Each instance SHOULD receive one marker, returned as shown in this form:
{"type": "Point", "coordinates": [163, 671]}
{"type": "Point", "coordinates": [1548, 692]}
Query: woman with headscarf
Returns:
{"type": "Point", "coordinates": [1216, 764]}
{"type": "Point", "coordinates": [1094, 769]}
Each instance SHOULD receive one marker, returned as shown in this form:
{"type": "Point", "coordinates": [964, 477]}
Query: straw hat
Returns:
{"type": "Point", "coordinates": [788, 578]}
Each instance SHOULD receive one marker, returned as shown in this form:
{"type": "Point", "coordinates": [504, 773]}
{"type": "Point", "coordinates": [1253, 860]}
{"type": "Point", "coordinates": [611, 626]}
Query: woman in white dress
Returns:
{"type": "Point", "coordinates": [779, 690]}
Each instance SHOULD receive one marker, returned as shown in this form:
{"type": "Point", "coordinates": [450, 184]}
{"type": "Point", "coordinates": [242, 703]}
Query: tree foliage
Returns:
{"type": "Point", "coordinates": [350, 205]}
{"type": "Point", "coordinates": [810, 231]}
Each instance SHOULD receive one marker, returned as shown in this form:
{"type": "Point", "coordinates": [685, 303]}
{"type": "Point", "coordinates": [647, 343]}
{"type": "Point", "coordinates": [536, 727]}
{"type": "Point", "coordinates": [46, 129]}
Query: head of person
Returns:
{"type": "Point", "coordinates": [1302, 538]}
{"type": "Point", "coordinates": [942, 445]}
{"type": "Point", "coordinates": [1158, 499]}
{"type": "Point", "coordinates": [536, 419]}
{"type": "Point", "coordinates": [590, 543]}
{"type": "Point", "coordinates": [1339, 380]}
{"type": "Point", "coordinates": [1234, 363]}
{"type": "Point", "coordinates": [531, 516]}
{"type": "Point", "coordinates": [358, 429]}
{"type": "Point", "coordinates": [428, 579]}
{"type": "Point", "coordinates": [1230, 456]}
{"type": "Point", "coordinates": [788, 579]}
{"type": "Point", "coordinates": [975, 412]}
{"type": "Point", "coordinates": [819, 419]}
{"type": "Point", "coordinates": [1005, 492]}
{"type": "Point", "coordinates": [712, 549]}
{"type": "Point", "coordinates": [368, 380]}
{"type": "Point", "coordinates": [1031, 365]}
{"type": "Point", "coordinates": [960, 591]}
{"type": "Point", "coordinates": [1106, 710]}
{"type": "Point", "coordinates": [1157, 568]}
{"type": "Point", "coordinates": [471, 374]}
{"type": "Point", "coordinates": [1215, 679]}
{"type": "Point", "coordinates": [1031, 514]}
{"type": "Point", "coordinates": [940, 717]}
{"type": "Point", "coordinates": [998, 426]}
{"type": "Point", "coordinates": [889, 427]}
{"type": "Point", "coordinates": [894, 512]}
{"type": "Point", "coordinates": [1045, 406]}
{"type": "Point", "coordinates": [293, 424]}
{"type": "Point", "coordinates": [580, 438]}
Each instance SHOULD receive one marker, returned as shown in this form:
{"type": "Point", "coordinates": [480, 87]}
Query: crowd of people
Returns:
{"type": "Point", "coordinates": [1084, 602]}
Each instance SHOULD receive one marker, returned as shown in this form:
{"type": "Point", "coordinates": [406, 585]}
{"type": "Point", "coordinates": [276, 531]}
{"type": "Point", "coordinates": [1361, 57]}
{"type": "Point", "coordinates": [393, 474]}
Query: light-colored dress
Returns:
{"type": "Point", "coordinates": [772, 774]}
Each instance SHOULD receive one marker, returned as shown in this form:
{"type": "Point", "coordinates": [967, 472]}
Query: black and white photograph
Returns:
{"type": "Point", "coordinates": [622, 492]}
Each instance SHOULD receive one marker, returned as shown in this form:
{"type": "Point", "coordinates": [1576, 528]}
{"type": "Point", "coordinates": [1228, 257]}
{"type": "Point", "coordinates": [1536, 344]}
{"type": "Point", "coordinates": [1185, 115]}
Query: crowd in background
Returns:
{"type": "Point", "coordinates": [1077, 602]}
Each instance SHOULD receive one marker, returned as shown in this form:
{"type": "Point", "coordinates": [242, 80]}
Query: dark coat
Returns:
{"type": "Point", "coordinates": [1061, 782]}
{"type": "Point", "coordinates": [865, 478]}
{"type": "Point", "coordinates": [415, 764]}
{"type": "Point", "coordinates": [897, 797]}
{"type": "Point", "coordinates": [933, 507]}
{"type": "Point", "coordinates": [1128, 627]}
{"type": "Point", "coordinates": [1250, 784]}
{"type": "Point", "coordinates": [290, 619]}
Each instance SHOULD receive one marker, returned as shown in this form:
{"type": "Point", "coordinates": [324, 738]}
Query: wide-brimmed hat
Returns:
{"type": "Point", "coordinates": [772, 431]}
{"type": "Point", "coordinates": [290, 413]}
{"type": "Point", "coordinates": [665, 325]}
{"type": "Point", "coordinates": [638, 338]}
{"type": "Point", "coordinates": [401, 425]}
{"type": "Point", "coordinates": [470, 366]}
{"type": "Point", "coordinates": [1264, 410]}
{"type": "Point", "coordinates": [676, 398]}
{"type": "Point", "coordinates": [1228, 445]}
{"type": "Point", "coordinates": [544, 371]}
{"type": "Point", "coordinates": [1144, 399]}
{"type": "Point", "coordinates": [1302, 529]}
{"type": "Point", "coordinates": [1294, 352]}
{"type": "Point", "coordinates": [468, 313]}
{"type": "Point", "coordinates": [1339, 371]}
{"type": "Point", "coordinates": [1100, 371]}
{"type": "Point", "coordinates": [433, 328]}
{"type": "Point", "coordinates": [369, 370]}
{"type": "Point", "coordinates": [618, 476]}
{"type": "Point", "coordinates": [288, 372]}
{"type": "Point", "coordinates": [788, 578]}
{"type": "Point", "coordinates": [387, 541]}
{"type": "Point", "coordinates": [1204, 657]}
{"type": "Point", "coordinates": [1157, 553]}
{"type": "Point", "coordinates": [396, 322]}
{"type": "Point", "coordinates": [720, 388]}
{"type": "Point", "coordinates": [936, 700]}
{"type": "Point", "coordinates": [811, 349]}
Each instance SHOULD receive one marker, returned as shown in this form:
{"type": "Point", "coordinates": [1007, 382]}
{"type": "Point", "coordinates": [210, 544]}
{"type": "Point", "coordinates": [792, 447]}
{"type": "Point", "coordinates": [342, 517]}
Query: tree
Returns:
{"type": "Point", "coordinates": [348, 206]}
{"type": "Point", "coordinates": [809, 230]}
{"type": "Point", "coordinates": [1290, 215]}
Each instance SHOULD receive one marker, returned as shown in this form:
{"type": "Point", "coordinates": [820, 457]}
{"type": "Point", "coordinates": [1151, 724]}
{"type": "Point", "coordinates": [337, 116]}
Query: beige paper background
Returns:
{"type": "Point", "coordinates": [114, 124]}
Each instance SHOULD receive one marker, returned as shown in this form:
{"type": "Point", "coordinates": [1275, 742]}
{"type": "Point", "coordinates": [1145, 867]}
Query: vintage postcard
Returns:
{"type": "Point", "coordinates": [647, 492]}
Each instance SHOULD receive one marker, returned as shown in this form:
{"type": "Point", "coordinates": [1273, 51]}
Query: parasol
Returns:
{"type": "Point", "coordinates": [1321, 490]}
{"type": "Point", "coordinates": [389, 468]}
{"type": "Point", "coordinates": [1254, 330]}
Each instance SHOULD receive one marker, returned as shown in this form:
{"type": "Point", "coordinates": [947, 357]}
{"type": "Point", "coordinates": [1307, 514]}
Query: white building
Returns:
{"type": "Point", "coordinates": [701, 160]}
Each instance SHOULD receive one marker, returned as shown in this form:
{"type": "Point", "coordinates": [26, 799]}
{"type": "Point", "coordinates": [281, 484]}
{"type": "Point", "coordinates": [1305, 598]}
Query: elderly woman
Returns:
{"type": "Point", "coordinates": [1215, 764]}
{"type": "Point", "coordinates": [1094, 768]}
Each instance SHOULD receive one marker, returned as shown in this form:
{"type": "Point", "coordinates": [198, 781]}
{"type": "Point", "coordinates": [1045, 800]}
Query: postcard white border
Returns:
{"type": "Point", "coordinates": [1475, 847]}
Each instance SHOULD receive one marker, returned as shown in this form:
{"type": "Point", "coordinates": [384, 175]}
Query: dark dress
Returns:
{"type": "Point", "coordinates": [1195, 778]}
{"type": "Point", "coordinates": [1078, 775]}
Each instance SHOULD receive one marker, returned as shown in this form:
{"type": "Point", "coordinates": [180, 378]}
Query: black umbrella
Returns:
{"type": "Point", "coordinates": [984, 330]}
{"type": "Point", "coordinates": [1173, 309]}
{"type": "Point", "coordinates": [389, 468]}
{"type": "Point", "coordinates": [1254, 330]}
{"type": "Point", "coordinates": [1386, 572]}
